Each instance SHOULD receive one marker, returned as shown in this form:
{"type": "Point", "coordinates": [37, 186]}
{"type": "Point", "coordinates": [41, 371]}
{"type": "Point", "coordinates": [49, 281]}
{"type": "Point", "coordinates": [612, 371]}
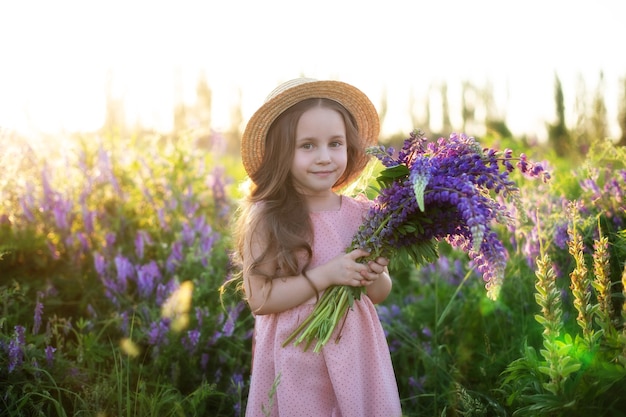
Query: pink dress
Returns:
{"type": "Point", "coordinates": [352, 378]}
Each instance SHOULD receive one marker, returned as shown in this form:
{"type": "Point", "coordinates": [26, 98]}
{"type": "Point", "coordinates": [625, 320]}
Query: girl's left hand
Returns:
{"type": "Point", "coordinates": [375, 268]}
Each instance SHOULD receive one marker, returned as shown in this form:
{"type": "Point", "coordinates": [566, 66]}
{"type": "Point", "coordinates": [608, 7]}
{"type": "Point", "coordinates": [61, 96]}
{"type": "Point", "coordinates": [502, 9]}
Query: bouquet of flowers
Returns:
{"type": "Point", "coordinates": [451, 190]}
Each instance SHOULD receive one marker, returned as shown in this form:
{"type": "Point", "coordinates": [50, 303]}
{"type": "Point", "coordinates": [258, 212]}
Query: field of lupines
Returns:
{"type": "Point", "coordinates": [113, 251]}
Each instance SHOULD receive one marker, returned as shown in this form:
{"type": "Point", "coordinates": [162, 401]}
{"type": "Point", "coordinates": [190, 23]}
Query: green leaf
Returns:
{"type": "Point", "coordinates": [394, 172]}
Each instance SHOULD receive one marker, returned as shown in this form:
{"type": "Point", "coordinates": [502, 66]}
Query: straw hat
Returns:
{"type": "Point", "coordinates": [294, 91]}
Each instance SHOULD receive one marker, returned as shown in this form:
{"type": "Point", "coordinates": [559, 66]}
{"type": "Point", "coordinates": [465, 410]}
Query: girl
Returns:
{"type": "Point", "coordinates": [302, 145]}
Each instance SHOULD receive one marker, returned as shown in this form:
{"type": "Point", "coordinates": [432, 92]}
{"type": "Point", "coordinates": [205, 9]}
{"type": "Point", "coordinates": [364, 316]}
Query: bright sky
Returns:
{"type": "Point", "coordinates": [55, 56]}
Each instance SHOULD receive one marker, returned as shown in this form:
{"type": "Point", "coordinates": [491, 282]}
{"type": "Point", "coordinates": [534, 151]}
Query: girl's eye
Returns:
{"type": "Point", "coordinates": [336, 144]}
{"type": "Point", "coordinates": [307, 146]}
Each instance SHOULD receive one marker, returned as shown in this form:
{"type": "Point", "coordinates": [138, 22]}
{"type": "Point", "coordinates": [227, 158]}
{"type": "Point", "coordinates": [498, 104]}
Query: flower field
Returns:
{"type": "Point", "coordinates": [113, 252]}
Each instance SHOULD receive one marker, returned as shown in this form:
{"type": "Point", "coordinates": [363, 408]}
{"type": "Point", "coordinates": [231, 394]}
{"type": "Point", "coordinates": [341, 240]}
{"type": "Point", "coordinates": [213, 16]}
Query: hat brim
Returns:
{"type": "Point", "coordinates": [295, 91]}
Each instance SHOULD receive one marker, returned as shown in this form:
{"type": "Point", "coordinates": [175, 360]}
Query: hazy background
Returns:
{"type": "Point", "coordinates": [60, 59]}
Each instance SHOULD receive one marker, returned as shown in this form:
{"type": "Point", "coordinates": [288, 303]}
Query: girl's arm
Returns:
{"type": "Point", "coordinates": [278, 294]}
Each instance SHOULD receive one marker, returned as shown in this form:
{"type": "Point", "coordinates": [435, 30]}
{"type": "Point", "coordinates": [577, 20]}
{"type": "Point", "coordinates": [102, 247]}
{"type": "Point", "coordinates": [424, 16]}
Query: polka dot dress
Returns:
{"type": "Point", "coordinates": [351, 378]}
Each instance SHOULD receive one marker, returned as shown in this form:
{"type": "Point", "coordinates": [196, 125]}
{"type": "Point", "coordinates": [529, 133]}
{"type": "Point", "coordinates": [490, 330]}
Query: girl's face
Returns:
{"type": "Point", "coordinates": [320, 156]}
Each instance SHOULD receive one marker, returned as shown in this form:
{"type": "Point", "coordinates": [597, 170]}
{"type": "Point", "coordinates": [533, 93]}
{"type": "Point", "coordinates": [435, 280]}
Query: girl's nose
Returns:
{"type": "Point", "coordinates": [323, 155]}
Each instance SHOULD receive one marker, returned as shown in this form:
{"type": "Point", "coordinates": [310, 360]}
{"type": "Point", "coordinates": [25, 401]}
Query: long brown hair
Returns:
{"type": "Point", "coordinates": [274, 208]}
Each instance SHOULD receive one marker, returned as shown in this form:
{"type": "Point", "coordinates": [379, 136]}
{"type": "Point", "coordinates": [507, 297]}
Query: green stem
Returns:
{"type": "Point", "coordinates": [321, 304]}
{"type": "Point", "coordinates": [449, 305]}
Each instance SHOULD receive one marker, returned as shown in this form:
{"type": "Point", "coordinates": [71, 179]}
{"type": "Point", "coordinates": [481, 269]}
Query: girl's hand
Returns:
{"type": "Point", "coordinates": [345, 270]}
{"type": "Point", "coordinates": [374, 270]}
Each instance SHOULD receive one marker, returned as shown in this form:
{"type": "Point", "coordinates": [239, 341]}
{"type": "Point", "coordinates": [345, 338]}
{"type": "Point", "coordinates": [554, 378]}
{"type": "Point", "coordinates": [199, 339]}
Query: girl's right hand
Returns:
{"type": "Point", "coordinates": [342, 270]}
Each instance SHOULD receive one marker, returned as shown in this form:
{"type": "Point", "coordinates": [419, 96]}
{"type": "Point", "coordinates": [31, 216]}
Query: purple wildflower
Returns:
{"type": "Point", "coordinates": [201, 313]}
{"type": "Point", "coordinates": [441, 191]}
{"type": "Point", "coordinates": [229, 324]}
{"type": "Point", "coordinates": [99, 264]}
{"type": "Point", "coordinates": [38, 313]}
{"type": "Point", "coordinates": [175, 258]}
{"type": "Point", "coordinates": [157, 335]}
{"type": "Point", "coordinates": [147, 278]}
{"type": "Point", "coordinates": [190, 341]}
{"type": "Point", "coordinates": [163, 291]}
{"type": "Point", "coordinates": [125, 270]}
{"type": "Point", "coordinates": [62, 211]}
{"type": "Point", "coordinates": [141, 239]}
{"type": "Point", "coordinates": [125, 321]}
{"type": "Point", "coordinates": [218, 188]}
{"type": "Point", "coordinates": [105, 167]}
{"type": "Point", "coordinates": [27, 202]}
{"type": "Point", "coordinates": [163, 223]}
{"type": "Point", "coordinates": [189, 205]}
{"type": "Point", "coordinates": [16, 348]}
{"type": "Point", "coordinates": [50, 355]}
{"type": "Point", "coordinates": [204, 361]}
{"type": "Point", "coordinates": [89, 217]}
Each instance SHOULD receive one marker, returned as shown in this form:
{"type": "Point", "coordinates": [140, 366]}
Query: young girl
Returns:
{"type": "Point", "coordinates": [303, 144]}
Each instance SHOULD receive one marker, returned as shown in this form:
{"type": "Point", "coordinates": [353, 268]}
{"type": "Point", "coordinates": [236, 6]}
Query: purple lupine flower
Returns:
{"type": "Point", "coordinates": [99, 264]}
{"type": "Point", "coordinates": [163, 291]}
{"type": "Point", "coordinates": [201, 313]}
{"type": "Point", "coordinates": [188, 235]}
{"type": "Point", "coordinates": [16, 348]}
{"type": "Point", "coordinates": [27, 202]}
{"type": "Point", "coordinates": [175, 257]}
{"type": "Point", "coordinates": [124, 320]}
{"type": "Point", "coordinates": [50, 355]}
{"type": "Point", "coordinates": [191, 339]}
{"type": "Point", "coordinates": [142, 238]}
{"type": "Point", "coordinates": [189, 205]}
{"type": "Point", "coordinates": [147, 278]}
{"type": "Point", "coordinates": [205, 248]}
{"type": "Point", "coordinates": [229, 325]}
{"type": "Point", "coordinates": [105, 167]}
{"type": "Point", "coordinates": [38, 313]}
{"type": "Point", "coordinates": [62, 211]}
{"type": "Point", "coordinates": [204, 361]}
{"type": "Point", "coordinates": [91, 311]}
{"type": "Point", "coordinates": [49, 195]}
{"type": "Point", "coordinates": [84, 241]}
{"type": "Point", "coordinates": [157, 335]}
{"type": "Point", "coordinates": [452, 176]}
{"type": "Point", "coordinates": [218, 187]}
{"type": "Point", "coordinates": [163, 223]}
{"type": "Point", "coordinates": [110, 240]}
{"type": "Point", "coordinates": [125, 270]}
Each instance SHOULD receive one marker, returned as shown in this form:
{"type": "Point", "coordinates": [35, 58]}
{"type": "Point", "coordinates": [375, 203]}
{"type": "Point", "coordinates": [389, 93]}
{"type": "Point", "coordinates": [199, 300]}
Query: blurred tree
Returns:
{"type": "Point", "coordinates": [468, 104]}
{"type": "Point", "coordinates": [204, 102]}
{"type": "Point", "coordinates": [581, 135]}
{"type": "Point", "coordinates": [197, 116]}
{"type": "Point", "coordinates": [599, 121]}
{"type": "Point", "coordinates": [621, 116]}
{"type": "Point", "coordinates": [558, 136]}
{"type": "Point", "coordinates": [233, 135]}
{"type": "Point", "coordinates": [446, 124]}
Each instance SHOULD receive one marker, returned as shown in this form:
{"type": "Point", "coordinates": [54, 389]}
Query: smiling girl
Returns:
{"type": "Point", "coordinates": [305, 143]}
